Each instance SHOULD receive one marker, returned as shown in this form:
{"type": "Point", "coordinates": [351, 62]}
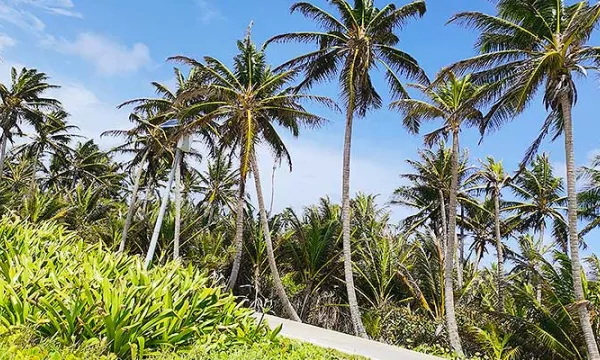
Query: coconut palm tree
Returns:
{"type": "Point", "coordinates": [250, 100]}
{"type": "Point", "coordinates": [183, 109]}
{"type": "Point", "coordinates": [454, 101]}
{"type": "Point", "coordinates": [540, 199]}
{"type": "Point", "coordinates": [494, 179]}
{"type": "Point", "coordinates": [51, 137]}
{"type": "Point", "coordinates": [530, 46]}
{"type": "Point", "coordinates": [145, 141]}
{"type": "Point", "coordinates": [351, 46]}
{"type": "Point", "coordinates": [23, 101]}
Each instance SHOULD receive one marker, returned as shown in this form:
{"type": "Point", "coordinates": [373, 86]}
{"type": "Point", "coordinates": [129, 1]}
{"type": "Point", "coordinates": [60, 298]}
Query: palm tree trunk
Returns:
{"type": "Point", "coordinates": [239, 233]}
{"type": "Point", "coordinates": [131, 209]}
{"type": "Point", "coordinates": [449, 258]}
{"type": "Point", "coordinates": [538, 285]}
{"type": "Point", "coordinates": [357, 324]}
{"type": "Point", "coordinates": [459, 268]}
{"type": "Point", "coordinates": [178, 186]}
{"type": "Point", "coordinates": [3, 141]}
{"type": "Point", "coordinates": [584, 315]}
{"type": "Point", "coordinates": [444, 220]}
{"type": "Point", "coordinates": [163, 210]}
{"type": "Point", "coordinates": [499, 251]}
{"type": "Point", "coordinates": [279, 289]}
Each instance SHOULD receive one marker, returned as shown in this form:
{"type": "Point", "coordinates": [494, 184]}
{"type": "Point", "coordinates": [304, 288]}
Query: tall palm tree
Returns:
{"type": "Point", "coordinates": [536, 45]}
{"type": "Point", "coordinates": [351, 47]}
{"type": "Point", "coordinates": [176, 105]}
{"type": "Point", "coordinates": [217, 184]}
{"type": "Point", "coordinates": [23, 101]}
{"type": "Point", "coordinates": [494, 178]}
{"type": "Point", "coordinates": [540, 199]}
{"type": "Point", "coordinates": [51, 137]}
{"type": "Point", "coordinates": [145, 142]}
{"type": "Point", "coordinates": [251, 100]}
{"type": "Point", "coordinates": [454, 101]}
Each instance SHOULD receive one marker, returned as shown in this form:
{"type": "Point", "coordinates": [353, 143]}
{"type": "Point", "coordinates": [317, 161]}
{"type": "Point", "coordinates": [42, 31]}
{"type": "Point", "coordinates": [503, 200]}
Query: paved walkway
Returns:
{"type": "Point", "coordinates": [343, 342]}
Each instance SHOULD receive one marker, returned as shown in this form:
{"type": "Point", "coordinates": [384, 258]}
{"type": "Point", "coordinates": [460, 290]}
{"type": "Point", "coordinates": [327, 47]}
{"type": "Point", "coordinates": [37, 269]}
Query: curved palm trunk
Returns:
{"type": "Point", "coordinates": [449, 258]}
{"type": "Point", "coordinates": [239, 234]}
{"type": "Point", "coordinates": [357, 324]}
{"type": "Point", "coordinates": [3, 141]}
{"type": "Point", "coordinates": [131, 209]}
{"type": "Point", "coordinates": [178, 190]}
{"type": "Point", "coordinates": [499, 251]}
{"type": "Point", "coordinates": [444, 241]}
{"type": "Point", "coordinates": [162, 211]}
{"type": "Point", "coordinates": [279, 289]}
{"type": "Point", "coordinates": [584, 315]}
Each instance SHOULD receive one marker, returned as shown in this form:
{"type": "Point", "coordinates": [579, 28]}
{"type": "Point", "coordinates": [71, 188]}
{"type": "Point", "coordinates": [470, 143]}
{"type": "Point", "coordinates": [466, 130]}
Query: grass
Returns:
{"type": "Point", "coordinates": [21, 345]}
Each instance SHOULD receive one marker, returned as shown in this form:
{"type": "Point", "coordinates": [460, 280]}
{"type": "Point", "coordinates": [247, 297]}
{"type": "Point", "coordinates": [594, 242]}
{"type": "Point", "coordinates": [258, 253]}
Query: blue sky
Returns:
{"type": "Point", "coordinates": [106, 52]}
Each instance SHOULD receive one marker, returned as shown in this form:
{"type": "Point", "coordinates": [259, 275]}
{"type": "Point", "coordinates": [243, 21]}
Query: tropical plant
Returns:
{"type": "Point", "coordinates": [351, 46]}
{"type": "Point", "coordinates": [454, 101]}
{"type": "Point", "coordinates": [528, 46]}
{"type": "Point", "coordinates": [251, 99]}
{"type": "Point", "coordinates": [494, 179]}
{"type": "Point", "coordinates": [23, 101]}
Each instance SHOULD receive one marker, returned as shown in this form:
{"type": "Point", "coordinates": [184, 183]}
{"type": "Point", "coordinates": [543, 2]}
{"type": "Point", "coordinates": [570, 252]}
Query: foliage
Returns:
{"type": "Point", "coordinates": [81, 294]}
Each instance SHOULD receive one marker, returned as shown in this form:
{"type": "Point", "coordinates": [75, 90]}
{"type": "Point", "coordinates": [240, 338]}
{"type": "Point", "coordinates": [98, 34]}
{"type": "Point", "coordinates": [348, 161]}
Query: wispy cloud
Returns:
{"type": "Point", "coordinates": [209, 11]}
{"type": "Point", "coordinates": [108, 56]}
{"type": "Point", "coordinates": [56, 7]}
{"type": "Point", "coordinates": [6, 41]}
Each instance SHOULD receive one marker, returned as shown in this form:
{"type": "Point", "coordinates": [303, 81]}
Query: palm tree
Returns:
{"type": "Point", "coordinates": [494, 177]}
{"type": "Point", "coordinates": [250, 100]}
{"type": "Point", "coordinates": [51, 137]}
{"type": "Point", "coordinates": [533, 45]}
{"type": "Point", "coordinates": [184, 109]}
{"type": "Point", "coordinates": [22, 102]}
{"type": "Point", "coordinates": [218, 184]}
{"type": "Point", "coordinates": [145, 142]}
{"type": "Point", "coordinates": [352, 46]}
{"type": "Point", "coordinates": [454, 101]}
{"type": "Point", "coordinates": [541, 199]}
{"type": "Point", "coordinates": [87, 165]}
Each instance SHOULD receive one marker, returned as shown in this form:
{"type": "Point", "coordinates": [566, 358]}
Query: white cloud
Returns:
{"type": "Point", "coordinates": [209, 12]}
{"type": "Point", "coordinates": [317, 171]}
{"type": "Point", "coordinates": [108, 56]}
{"type": "Point", "coordinates": [6, 41]}
{"type": "Point", "coordinates": [55, 7]}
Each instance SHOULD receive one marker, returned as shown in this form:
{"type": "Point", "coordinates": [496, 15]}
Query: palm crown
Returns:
{"type": "Point", "coordinates": [359, 40]}
{"type": "Point", "coordinates": [528, 46]}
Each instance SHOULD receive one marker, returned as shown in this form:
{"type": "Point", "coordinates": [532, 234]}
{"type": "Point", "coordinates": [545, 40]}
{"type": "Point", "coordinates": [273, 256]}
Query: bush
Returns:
{"type": "Point", "coordinates": [81, 294]}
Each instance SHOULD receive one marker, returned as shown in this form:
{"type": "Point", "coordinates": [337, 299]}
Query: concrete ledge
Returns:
{"type": "Point", "coordinates": [345, 343]}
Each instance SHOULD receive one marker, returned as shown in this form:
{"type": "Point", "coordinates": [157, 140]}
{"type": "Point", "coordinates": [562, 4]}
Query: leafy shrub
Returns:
{"type": "Point", "coordinates": [81, 294]}
{"type": "Point", "coordinates": [401, 326]}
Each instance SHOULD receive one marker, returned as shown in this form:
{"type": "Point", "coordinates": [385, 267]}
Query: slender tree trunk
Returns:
{"type": "Point", "coordinates": [131, 209]}
{"type": "Point", "coordinates": [499, 251]}
{"type": "Point", "coordinates": [239, 233]}
{"type": "Point", "coordinates": [33, 184]}
{"type": "Point", "coordinates": [459, 268]}
{"type": "Point", "coordinates": [357, 324]}
{"type": "Point", "coordinates": [279, 289]}
{"type": "Point", "coordinates": [449, 258]}
{"type": "Point", "coordinates": [162, 211]}
{"type": "Point", "coordinates": [461, 243]}
{"type": "Point", "coordinates": [538, 284]}
{"type": "Point", "coordinates": [584, 315]}
{"type": "Point", "coordinates": [444, 241]}
{"type": "Point", "coordinates": [3, 141]}
{"type": "Point", "coordinates": [178, 190]}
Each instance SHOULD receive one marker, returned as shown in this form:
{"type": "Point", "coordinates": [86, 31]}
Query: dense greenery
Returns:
{"type": "Point", "coordinates": [74, 213]}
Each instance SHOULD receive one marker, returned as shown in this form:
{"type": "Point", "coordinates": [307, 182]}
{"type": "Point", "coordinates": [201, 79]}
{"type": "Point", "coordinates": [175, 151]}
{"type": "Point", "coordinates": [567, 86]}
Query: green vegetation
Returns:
{"type": "Point", "coordinates": [77, 219]}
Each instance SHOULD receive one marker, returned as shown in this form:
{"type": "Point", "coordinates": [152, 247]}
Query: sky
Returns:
{"type": "Point", "coordinates": [103, 53]}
